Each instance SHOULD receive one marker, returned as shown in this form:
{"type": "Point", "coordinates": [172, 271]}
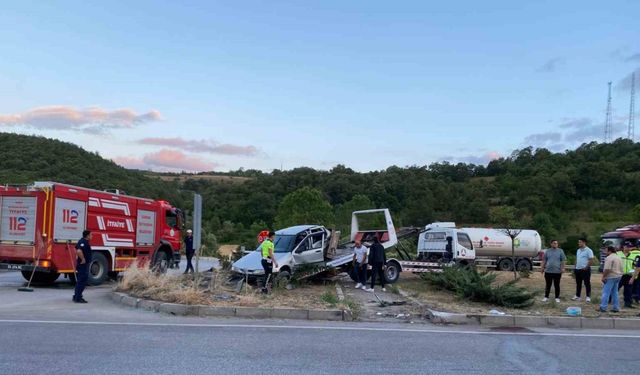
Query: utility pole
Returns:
{"type": "Point", "coordinates": [632, 109]}
{"type": "Point", "coordinates": [607, 121]}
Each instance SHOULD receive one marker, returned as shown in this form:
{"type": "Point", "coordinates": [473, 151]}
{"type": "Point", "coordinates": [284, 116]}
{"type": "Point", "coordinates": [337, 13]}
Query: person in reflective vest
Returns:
{"type": "Point", "coordinates": [628, 256]}
{"type": "Point", "coordinates": [268, 258]}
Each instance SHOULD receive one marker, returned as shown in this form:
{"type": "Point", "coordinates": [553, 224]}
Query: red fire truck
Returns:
{"type": "Point", "coordinates": [41, 223]}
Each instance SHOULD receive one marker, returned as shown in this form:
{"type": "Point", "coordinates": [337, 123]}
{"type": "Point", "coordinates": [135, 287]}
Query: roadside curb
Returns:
{"type": "Point", "coordinates": [441, 317]}
{"type": "Point", "coordinates": [229, 311]}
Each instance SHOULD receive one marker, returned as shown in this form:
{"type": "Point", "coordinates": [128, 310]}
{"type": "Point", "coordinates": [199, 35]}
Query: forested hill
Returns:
{"type": "Point", "coordinates": [585, 191]}
{"type": "Point", "coordinates": [25, 159]}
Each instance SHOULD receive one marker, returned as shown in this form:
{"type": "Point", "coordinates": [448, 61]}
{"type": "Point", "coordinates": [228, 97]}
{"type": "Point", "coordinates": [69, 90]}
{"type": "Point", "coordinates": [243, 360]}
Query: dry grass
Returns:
{"type": "Point", "coordinates": [144, 283]}
{"type": "Point", "coordinates": [446, 301]}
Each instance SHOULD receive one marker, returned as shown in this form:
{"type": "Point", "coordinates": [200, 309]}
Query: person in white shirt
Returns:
{"type": "Point", "coordinates": [360, 264]}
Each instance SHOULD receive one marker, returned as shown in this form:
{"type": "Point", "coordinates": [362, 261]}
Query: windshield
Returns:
{"type": "Point", "coordinates": [615, 242]}
{"type": "Point", "coordinates": [282, 243]}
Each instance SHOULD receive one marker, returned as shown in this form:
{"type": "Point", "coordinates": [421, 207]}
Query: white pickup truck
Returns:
{"type": "Point", "coordinates": [316, 247]}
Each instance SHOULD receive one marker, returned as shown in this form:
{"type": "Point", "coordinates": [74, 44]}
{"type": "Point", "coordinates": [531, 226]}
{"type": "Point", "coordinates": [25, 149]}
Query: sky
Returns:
{"type": "Point", "coordinates": [222, 85]}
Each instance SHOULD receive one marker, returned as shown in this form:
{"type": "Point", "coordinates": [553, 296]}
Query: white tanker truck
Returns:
{"type": "Point", "coordinates": [442, 244]}
{"type": "Point", "coordinates": [493, 247]}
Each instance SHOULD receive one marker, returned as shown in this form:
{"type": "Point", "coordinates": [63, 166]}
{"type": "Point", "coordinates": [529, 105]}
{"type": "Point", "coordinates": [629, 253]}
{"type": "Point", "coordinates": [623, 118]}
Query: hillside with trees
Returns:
{"type": "Point", "coordinates": [580, 192]}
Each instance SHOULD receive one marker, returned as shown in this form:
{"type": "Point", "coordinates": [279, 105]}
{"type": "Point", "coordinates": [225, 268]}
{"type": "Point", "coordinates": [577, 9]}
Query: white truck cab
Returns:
{"type": "Point", "coordinates": [443, 242]}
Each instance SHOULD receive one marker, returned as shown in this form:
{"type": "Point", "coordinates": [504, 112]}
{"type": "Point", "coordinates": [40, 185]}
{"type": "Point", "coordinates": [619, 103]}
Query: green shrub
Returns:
{"type": "Point", "coordinates": [477, 286]}
{"type": "Point", "coordinates": [329, 297]}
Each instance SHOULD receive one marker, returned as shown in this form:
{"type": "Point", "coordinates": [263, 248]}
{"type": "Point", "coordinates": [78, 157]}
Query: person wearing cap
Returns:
{"type": "Point", "coordinates": [360, 264]}
{"type": "Point", "coordinates": [611, 275]}
{"type": "Point", "coordinates": [188, 249]}
{"type": "Point", "coordinates": [628, 258]}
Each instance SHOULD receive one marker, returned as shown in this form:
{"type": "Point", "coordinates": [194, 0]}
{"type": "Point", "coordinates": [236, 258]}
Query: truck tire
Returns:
{"type": "Point", "coordinates": [392, 272]}
{"type": "Point", "coordinates": [505, 264]}
{"type": "Point", "coordinates": [44, 278]}
{"type": "Point", "coordinates": [160, 262]}
{"type": "Point", "coordinates": [98, 269]}
{"type": "Point", "coordinates": [524, 264]}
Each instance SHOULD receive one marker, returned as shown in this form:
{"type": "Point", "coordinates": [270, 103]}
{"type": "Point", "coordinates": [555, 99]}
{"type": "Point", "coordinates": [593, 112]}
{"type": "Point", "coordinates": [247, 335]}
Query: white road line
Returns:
{"type": "Point", "coordinates": [321, 328]}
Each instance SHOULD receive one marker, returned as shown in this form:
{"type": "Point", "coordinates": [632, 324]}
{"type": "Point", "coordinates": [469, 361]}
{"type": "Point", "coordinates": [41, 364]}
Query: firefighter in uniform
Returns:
{"type": "Point", "coordinates": [628, 256]}
{"type": "Point", "coordinates": [268, 258]}
{"type": "Point", "coordinates": [83, 251]}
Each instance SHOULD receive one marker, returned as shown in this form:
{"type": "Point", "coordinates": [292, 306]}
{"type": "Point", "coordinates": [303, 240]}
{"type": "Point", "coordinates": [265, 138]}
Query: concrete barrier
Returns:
{"type": "Point", "coordinates": [498, 320]}
{"type": "Point", "coordinates": [598, 323]}
{"type": "Point", "coordinates": [253, 312]}
{"type": "Point", "coordinates": [178, 309]}
{"type": "Point", "coordinates": [284, 313]}
{"type": "Point", "coordinates": [530, 321]}
{"type": "Point", "coordinates": [564, 321]}
{"type": "Point", "coordinates": [216, 311]}
{"type": "Point", "coordinates": [325, 315]}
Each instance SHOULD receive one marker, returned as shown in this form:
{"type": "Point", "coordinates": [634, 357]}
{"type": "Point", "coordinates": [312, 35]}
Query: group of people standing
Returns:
{"type": "Point", "coordinates": [376, 258]}
{"type": "Point", "coordinates": [621, 270]}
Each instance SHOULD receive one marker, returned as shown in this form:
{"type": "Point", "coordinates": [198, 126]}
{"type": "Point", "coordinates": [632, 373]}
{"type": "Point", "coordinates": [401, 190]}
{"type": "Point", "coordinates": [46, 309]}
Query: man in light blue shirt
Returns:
{"type": "Point", "coordinates": [584, 260]}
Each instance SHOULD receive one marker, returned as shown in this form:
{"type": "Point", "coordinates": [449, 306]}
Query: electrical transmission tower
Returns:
{"type": "Point", "coordinates": [607, 121]}
{"type": "Point", "coordinates": [632, 109]}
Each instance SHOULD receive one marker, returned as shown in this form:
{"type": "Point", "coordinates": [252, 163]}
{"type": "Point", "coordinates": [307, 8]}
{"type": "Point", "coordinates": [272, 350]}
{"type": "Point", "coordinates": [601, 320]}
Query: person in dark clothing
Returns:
{"type": "Point", "coordinates": [377, 260]}
{"type": "Point", "coordinates": [188, 249]}
{"type": "Point", "coordinates": [83, 252]}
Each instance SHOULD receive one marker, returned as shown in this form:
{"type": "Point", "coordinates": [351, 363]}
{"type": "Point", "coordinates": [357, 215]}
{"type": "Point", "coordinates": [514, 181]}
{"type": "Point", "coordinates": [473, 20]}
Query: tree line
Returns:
{"type": "Point", "coordinates": [581, 192]}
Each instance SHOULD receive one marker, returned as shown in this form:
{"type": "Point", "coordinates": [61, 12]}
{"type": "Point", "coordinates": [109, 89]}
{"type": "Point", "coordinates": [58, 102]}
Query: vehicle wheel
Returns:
{"type": "Point", "coordinates": [282, 279]}
{"type": "Point", "coordinates": [505, 264]}
{"type": "Point", "coordinates": [43, 278]}
{"type": "Point", "coordinates": [161, 262]}
{"type": "Point", "coordinates": [392, 272]}
{"type": "Point", "coordinates": [98, 269]}
{"type": "Point", "coordinates": [523, 265]}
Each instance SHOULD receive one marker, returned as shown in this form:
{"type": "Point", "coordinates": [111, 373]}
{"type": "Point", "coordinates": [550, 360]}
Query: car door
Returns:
{"type": "Point", "coordinates": [311, 249]}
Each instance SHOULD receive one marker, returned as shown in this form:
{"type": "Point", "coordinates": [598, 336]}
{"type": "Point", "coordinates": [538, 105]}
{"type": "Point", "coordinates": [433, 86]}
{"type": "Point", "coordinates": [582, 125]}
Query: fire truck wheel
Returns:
{"type": "Point", "coordinates": [41, 277]}
{"type": "Point", "coordinates": [98, 269]}
{"type": "Point", "coordinates": [161, 262]}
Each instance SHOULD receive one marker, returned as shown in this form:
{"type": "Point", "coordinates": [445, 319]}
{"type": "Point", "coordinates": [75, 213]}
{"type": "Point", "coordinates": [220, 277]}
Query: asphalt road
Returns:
{"type": "Point", "coordinates": [43, 332]}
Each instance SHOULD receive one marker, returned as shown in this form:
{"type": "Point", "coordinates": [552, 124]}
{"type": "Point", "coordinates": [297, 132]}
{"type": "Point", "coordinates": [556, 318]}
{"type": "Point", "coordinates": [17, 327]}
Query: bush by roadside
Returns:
{"type": "Point", "coordinates": [468, 283]}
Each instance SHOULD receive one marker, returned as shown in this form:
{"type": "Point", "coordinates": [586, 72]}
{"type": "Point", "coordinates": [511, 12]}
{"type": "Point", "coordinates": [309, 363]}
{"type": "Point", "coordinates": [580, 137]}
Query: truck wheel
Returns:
{"type": "Point", "coordinates": [98, 269]}
{"type": "Point", "coordinates": [523, 265]}
{"type": "Point", "coordinates": [392, 273]}
{"type": "Point", "coordinates": [161, 262]}
{"type": "Point", "coordinates": [505, 264]}
{"type": "Point", "coordinates": [43, 278]}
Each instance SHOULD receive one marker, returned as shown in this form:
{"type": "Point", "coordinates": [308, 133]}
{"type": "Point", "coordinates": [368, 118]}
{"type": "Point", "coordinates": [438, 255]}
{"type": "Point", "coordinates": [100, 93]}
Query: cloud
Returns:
{"type": "Point", "coordinates": [91, 120]}
{"type": "Point", "coordinates": [542, 139]}
{"type": "Point", "coordinates": [575, 131]}
{"type": "Point", "coordinates": [625, 83]}
{"type": "Point", "coordinates": [551, 65]}
{"type": "Point", "coordinates": [167, 160]}
{"type": "Point", "coordinates": [483, 159]}
{"type": "Point", "coordinates": [633, 57]}
{"type": "Point", "coordinates": [575, 123]}
{"type": "Point", "coordinates": [201, 146]}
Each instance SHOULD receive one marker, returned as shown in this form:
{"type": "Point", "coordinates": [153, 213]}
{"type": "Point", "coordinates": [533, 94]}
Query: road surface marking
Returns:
{"type": "Point", "coordinates": [319, 328]}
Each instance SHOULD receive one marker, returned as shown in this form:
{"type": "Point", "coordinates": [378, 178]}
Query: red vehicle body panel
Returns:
{"type": "Point", "coordinates": [62, 212]}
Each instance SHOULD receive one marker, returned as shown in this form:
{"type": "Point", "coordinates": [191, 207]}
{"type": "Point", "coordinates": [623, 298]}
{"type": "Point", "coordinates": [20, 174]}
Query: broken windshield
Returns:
{"type": "Point", "coordinates": [283, 243]}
